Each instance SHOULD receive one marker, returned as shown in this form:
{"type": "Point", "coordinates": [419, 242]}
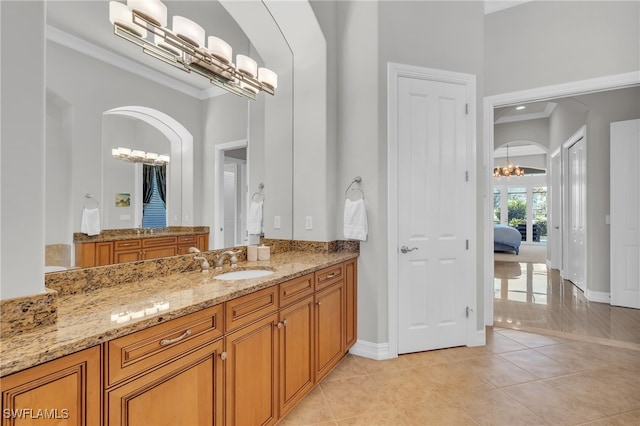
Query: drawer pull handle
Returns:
{"type": "Point", "coordinates": [165, 342]}
{"type": "Point", "coordinates": [330, 276]}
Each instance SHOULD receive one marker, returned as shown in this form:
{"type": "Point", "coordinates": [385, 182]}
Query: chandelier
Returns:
{"type": "Point", "coordinates": [508, 169]}
{"type": "Point", "coordinates": [137, 156]}
{"type": "Point", "coordinates": [144, 22]}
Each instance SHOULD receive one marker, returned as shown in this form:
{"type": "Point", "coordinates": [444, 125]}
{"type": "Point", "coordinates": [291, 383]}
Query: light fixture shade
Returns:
{"type": "Point", "coordinates": [138, 154]}
{"type": "Point", "coordinates": [124, 151]}
{"type": "Point", "coordinates": [154, 10]}
{"type": "Point", "coordinates": [164, 158]}
{"type": "Point", "coordinates": [120, 15]}
{"type": "Point", "coordinates": [268, 77]}
{"type": "Point", "coordinates": [246, 65]}
{"type": "Point", "coordinates": [220, 49]}
{"type": "Point", "coordinates": [188, 31]}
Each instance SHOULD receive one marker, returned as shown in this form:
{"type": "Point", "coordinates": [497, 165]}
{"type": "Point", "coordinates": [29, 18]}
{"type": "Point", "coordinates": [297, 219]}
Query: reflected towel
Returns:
{"type": "Point", "coordinates": [355, 220]}
{"type": "Point", "coordinates": [254, 221]}
{"type": "Point", "coordinates": [90, 221]}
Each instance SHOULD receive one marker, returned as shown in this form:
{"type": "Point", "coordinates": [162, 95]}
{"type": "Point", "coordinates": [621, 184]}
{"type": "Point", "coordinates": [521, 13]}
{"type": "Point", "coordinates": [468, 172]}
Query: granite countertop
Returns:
{"type": "Point", "coordinates": [88, 319]}
{"type": "Point", "coordinates": [131, 234]}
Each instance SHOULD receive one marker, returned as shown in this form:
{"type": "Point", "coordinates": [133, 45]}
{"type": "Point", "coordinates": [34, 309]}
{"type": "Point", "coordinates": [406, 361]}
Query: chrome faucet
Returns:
{"type": "Point", "coordinates": [218, 260]}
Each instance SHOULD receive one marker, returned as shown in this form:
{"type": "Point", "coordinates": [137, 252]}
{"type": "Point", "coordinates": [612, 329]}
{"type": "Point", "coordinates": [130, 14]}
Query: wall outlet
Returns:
{"type": "Point", "coordinates": [308, 222]}
{"type": "Point", "coordinates": [276, 222]}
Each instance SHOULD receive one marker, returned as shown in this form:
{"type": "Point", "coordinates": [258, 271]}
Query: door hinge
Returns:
{"type": "Point", "coordinates": [466, 176]}
{"type": "Point", "coordinates": [469, 310]}
{"type": "Point", "coordinates": [466, 108]}
{"type": "Point", "coordinates": [467, 244]}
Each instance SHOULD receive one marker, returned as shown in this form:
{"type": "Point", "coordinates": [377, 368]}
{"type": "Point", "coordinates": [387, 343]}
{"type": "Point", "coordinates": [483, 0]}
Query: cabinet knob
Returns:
{"type": "Point", "coordinates": [319, 303]}
{"type": "Point", "coordinates": [284, 323]}
{"type": "Point", "coordinates": [223, 356]}
{"type": "Point", "coordinates": [279, 325]}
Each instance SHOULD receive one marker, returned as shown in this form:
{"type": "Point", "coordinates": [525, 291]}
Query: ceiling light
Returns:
{"type": "Point", "coordinates": [508, 169]}
{"type": "Point", "coordinates": [520, 108]}
{"type": "Point", "coordinates": [143, 22]}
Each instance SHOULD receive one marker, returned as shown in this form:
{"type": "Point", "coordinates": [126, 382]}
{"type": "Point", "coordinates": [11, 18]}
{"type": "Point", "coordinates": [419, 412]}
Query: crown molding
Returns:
{"type": "Point", "coordinates": [72, 42]}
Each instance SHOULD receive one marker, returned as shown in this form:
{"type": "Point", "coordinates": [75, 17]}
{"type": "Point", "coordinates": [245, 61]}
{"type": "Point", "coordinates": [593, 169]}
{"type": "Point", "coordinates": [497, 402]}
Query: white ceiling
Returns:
{"type": "Point", "coordinates": [531, 111]}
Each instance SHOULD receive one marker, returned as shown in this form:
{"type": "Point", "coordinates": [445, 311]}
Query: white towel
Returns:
{"type": "Point", "coordinates": [355, 220]}
{"type": "Point", "coordinates": [90, 221]}
{"type": "Point", "coordinates": [254, 221]}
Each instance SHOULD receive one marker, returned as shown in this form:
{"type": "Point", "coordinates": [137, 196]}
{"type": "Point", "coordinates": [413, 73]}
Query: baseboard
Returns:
{"type": "Point", "coordinates": [598, 296]}
{"type": "Point", "coordinates": [377, 351]}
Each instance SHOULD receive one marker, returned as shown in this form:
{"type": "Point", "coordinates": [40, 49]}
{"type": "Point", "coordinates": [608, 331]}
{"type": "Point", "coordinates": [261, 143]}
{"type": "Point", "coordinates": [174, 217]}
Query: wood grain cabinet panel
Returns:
{"type": "Point", "coordinates": [251, 374]}
{"type": "Point", "coordinates": [296, 352]}
{"type": "Point", "coordinates": [351, 303]}
{"type": "Point", "coordinates": [329, 328]}
{"type": "Point", "coordinates": [184, 392]}
{"type": "Point", "coordinates": [296, 289]}
{"type": "Point", "coordinates": [66, 391]}
{"type": "Point", "coordinates": [246, 309]}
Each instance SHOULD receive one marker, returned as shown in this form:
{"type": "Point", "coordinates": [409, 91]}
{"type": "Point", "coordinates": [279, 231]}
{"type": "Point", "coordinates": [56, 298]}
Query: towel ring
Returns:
{"type": "Point", "coordinates": [90, 197]}
{"type": "Point", "coordinates": [258, 193]}
{"type": "Point", "coordinates": [357, 179]}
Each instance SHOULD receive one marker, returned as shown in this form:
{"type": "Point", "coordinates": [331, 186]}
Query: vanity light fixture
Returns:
{"type": "Point", "coordinates": [144, 23]}
{"type": "Point", "coordinates": [137, 156]}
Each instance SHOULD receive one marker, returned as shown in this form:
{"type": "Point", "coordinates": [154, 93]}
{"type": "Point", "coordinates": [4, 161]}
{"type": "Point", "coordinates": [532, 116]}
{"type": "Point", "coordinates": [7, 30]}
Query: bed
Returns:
{"type": "Point", "coordinates": [506, 238]}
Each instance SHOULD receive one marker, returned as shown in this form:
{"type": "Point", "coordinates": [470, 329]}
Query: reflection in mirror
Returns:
{"type": "Point", "coordinates": [82, 50]}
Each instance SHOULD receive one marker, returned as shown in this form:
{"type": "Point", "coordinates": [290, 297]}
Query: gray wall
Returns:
{"type": "Point", "coordinates": [541, 43]}
{"type": "Point", "coordinates": [531, 130]}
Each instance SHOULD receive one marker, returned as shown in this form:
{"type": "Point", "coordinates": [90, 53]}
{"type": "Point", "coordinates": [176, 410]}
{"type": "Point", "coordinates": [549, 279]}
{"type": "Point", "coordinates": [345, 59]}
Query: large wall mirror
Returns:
{"type": "Point", "coordinates": [99, 91]}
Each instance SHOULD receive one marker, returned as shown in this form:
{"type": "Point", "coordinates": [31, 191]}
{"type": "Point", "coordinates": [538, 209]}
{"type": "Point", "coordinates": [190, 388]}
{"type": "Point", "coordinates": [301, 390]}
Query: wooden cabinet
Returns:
{"type": "Point", "coordinates": [169, 374]}
{"type": "Point", "coordinates": [251, 373]}
{"type": "Point", "coordinates": [351, 303]}
{"type": "Point", "coordinates": [65, 391]}
{"type": "Point", "coordinates": [296, 352]}
{"type": "Point", "coordinates": [136, 248]}
{"type": "Point", "coordinates": [329, 328]}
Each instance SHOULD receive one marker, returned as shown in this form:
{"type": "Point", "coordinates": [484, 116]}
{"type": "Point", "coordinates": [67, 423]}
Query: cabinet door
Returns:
{"type": "Point", "coordinates": [187, 391]}
{"type": "Point", "coordinates": [250, 374]}
{"type": "Point", "coordinates": [351, 303]}
{"type": "Point", "coordinates": [65, 391]}
{"type": "Point", "coordinates": [104, 253]}
{"type": "Point", "coordinates": [296, 352]}
{"type": "Point", "coordinates": [127, 256]}
{"type": "Point", "coordinates": [203, 242]}
{"type": "Point", "coordinates": [155, 252]}
{"type": "Point", "coordinates": [85, 255]}
{"type": "Point", "coordinates": [329, 328]}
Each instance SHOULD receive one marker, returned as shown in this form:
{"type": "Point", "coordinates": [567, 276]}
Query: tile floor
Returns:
{"type": "Point", "coordinates": [580, 367]}
{"type": "Point", "coordinates": [518, 378]}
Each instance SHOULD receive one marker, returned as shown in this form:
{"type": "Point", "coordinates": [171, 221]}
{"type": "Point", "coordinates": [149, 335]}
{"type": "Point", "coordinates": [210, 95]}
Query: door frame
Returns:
{"type": "Point", "coordinates": [396, 71]}
{"type": "Point", "coordinates": [555, 258]}
{"type": "Point", "coordinates": [217, 234]}
{"type": "Point", "coordinates": [611, 82]}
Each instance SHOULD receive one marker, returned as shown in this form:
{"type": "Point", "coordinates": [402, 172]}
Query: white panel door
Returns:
{"type": "Point", "coordinates": [433, 200]}
{"type": "Point", "coordinates": [625, 216]}
{"type": "Point", "coordinates": [577, 173]}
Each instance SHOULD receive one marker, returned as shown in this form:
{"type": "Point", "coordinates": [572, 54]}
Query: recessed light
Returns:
{"type": "Point", "coordinates": [520, 108]}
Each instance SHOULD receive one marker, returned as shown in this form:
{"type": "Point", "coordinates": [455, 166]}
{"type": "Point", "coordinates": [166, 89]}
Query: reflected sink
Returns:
{"type": "Point", "coordinates": [244, 274]}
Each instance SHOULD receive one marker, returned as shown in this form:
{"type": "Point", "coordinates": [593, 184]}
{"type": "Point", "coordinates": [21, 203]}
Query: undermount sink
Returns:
{"type": "Point", "coordinates": [244, 274]}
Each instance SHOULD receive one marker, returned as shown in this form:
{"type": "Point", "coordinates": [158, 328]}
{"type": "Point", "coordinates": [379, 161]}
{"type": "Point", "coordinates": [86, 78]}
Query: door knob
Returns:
{"type": "Point", "coordinates": [405, 249]}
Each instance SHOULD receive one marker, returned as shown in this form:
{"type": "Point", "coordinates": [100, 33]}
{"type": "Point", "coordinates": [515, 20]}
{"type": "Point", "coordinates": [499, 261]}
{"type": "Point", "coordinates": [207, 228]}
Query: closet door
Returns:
{"type": "Point", "coordinates": [624, 208]}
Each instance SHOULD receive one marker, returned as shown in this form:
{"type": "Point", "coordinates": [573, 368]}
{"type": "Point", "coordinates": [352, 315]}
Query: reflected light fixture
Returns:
{"type": "Point", "coordinates": [137, 156]}
{"type": "Point", "coordinates": [508, 169]}
{"type": "Point", "coordinates": [144, 23]}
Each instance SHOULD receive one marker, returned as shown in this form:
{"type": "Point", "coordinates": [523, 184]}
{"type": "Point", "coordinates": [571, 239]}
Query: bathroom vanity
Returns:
{"type": "Point", "coordinates": [191, 349]}
{"type": "Point", "coordinates": [130, 245]}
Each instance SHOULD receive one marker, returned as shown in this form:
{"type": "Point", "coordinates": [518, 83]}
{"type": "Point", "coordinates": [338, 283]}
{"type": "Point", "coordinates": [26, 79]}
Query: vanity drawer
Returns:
{"type": "Point", "coordinates": [127, 244]}
{"type": "Point", "coordinates": [188, 239]}
{"type": "Point", "coordinates": [159, 242]}
{"type": "Point", "coordinates": [246, 309]}
{"type": "Point", "coordinates": [327, 276]}
{"type": "Point", "coordinates": [129, 355]}
{"type": "Point", "coordinates": [296, 289]}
